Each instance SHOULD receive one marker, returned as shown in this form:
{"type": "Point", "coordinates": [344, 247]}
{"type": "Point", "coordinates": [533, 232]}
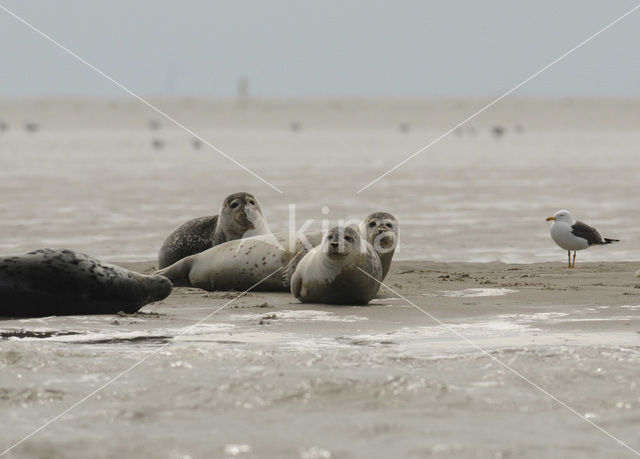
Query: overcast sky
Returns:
{"type": "Point", "coordinates": [314, 49]}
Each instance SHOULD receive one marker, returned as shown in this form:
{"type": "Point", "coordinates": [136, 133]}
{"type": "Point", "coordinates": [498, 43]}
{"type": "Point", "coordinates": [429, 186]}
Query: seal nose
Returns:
{"type": "Point", "coordinates": [334, 245]}
{"type": "Point", "coordinates": [379, 231]}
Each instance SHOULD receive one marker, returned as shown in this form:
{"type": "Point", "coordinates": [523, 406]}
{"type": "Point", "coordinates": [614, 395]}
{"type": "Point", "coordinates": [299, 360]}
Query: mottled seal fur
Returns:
{"type": "Point", "coordinates": [240, 216]}
{"type": "Point", "coordinates": [240, 264]}
{"type": "Point", "coordinates": [381, 230]}
{"type": "Point", "coordinates": [344, 269]}
{"type": "Point", "coordinates": [62, 282]}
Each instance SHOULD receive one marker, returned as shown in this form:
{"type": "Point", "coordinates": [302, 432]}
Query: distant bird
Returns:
{"type": "Point", "coordinates": [31, 127]}
{"type": "Point", "coordinates": [572, 235]}
{"type": "Point", "coordinates": [295, 126]}
{"type": "Point", "coordinates": [196, 143]}
{"type": "Point", "coordinates": [404, 128]}
{"type": "Point", "coordinates": [157, 144]}
{"type": "Point", "coordinates": [497, 131]}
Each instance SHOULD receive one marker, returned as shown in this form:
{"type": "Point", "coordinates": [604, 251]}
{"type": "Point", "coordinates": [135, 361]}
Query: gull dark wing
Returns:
{"type": "Point", "coordinates": [587, 232]}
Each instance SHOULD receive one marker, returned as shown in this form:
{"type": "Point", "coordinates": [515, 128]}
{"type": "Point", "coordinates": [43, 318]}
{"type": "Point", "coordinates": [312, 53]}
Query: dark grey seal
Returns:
{"type": "Point", "coordinates": [344, 269]}
{"type": "Point", "coordinates": [50, 282]}
{"type": "Point", "coordinates": [240, 216]}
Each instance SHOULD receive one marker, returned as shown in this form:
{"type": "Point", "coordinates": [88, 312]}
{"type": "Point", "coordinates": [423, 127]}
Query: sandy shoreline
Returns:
{"type": "Point", "coordinates": [268, 377]}
{"type": "Point", "coordinates": [538, 304]}
{"type": "Point", "coordinates": [487, 288]}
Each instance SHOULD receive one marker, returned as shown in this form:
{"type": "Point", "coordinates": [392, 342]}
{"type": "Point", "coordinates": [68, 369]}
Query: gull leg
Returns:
{"type": "Point", "coordinates": [569, 254]}
{"type": "Point", "coordinates": [573, 265]}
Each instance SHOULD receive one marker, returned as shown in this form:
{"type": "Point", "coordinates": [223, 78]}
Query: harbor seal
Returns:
{"type": "Point", "coordinates": [344, 269]}
{"type": "Point", "coordinates": [50, 282]}
{"type": "Point", "coordinates": [381, 229]}
{"type": "Point", "coordinates": [240, 264]}
{"type": "Point", "coordinates": [240, 216]}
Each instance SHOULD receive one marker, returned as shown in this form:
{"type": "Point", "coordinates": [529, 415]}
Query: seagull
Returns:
{"type": "Point", "coordinates": [572, 235]}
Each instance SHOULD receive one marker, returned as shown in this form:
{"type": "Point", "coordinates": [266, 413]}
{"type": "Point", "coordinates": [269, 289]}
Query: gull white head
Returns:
{"type": "Point", "coordinates": [562, 216]}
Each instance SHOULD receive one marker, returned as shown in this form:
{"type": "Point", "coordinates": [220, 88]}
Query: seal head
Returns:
{"type": "Point", "coordinates": [240, 216]}
{"type": "Point", "coordinates": [380, 229]}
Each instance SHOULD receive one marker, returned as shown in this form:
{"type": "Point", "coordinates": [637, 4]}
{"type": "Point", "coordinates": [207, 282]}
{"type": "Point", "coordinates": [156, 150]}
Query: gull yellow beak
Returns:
{"type": "Point", "coordinates": [550, 218]}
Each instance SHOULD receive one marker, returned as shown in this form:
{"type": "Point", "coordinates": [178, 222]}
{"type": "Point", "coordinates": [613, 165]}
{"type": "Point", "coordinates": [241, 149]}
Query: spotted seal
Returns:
{"type": "Point", "coordinates": [240, 264]}
{"type": "Point", "coordinates": [343, 269]}
{"type": "Point", "coordinates": [240, 216]}
{"type": "Point", "coordinates": [63, 282]}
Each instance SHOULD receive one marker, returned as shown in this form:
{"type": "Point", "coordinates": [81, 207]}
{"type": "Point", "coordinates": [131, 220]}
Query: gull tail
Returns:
{"type": "Point", "coordinates": [609, 241]}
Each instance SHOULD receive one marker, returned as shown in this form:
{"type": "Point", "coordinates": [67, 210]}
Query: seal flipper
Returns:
{"type": "Point", "coordinates": [178, 273]}
{"type": "Point", "coordinates": [291, 268]}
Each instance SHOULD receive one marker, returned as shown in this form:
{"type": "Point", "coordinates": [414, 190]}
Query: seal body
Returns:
{"type": "Point", "coordinates": [240, 264]}
{"type": "Point", "coordinates": [240, 216]}
{"type": "Point", "coordinates": [191, 237]}
{"type": "Point", "coordinates": [62, 282]}
{"type": "Point", "coordinates": [344, 269]}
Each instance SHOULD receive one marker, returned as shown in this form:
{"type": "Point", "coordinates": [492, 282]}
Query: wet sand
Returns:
{"type": "Point", "coordinates": [268, 377]}
{"type": "Point", "coordinates": [455, 292]}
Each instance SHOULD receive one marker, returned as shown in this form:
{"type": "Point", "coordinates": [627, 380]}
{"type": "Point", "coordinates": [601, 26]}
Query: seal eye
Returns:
{"type": "Point", "coordinates": [253, 203]}
{"type": "Point", "coordinates": [348, 238]}
{"type": "Point", "coordinates": [330, 237]}
{"type": "Point", "coordinates": [372, 224]}
{"type": "Point", "coordinates": [234, 204]}
{"type": "Point", "coordinates": [389, 225]}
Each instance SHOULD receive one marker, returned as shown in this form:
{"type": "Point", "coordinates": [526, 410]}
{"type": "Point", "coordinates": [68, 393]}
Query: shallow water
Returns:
{"type": "Point", "coordinates": [90, 179]}
{"type": "Point", "coordinates": [316, 383]}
